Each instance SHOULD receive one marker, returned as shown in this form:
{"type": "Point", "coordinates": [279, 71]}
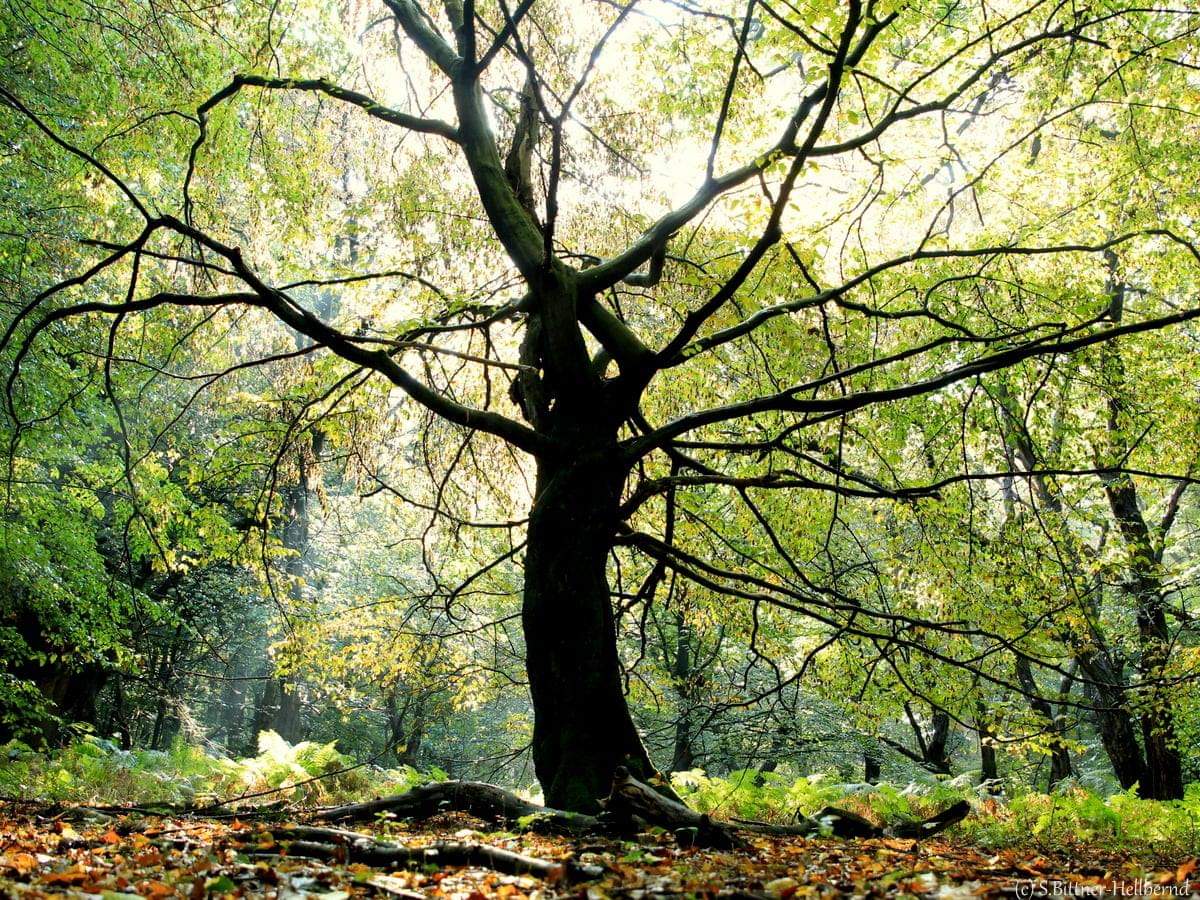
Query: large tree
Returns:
{"type": "Point", "coordinates": [887, 204]}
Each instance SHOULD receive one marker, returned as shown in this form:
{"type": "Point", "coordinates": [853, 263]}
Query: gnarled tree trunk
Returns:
{"type": "Point", "coordinates": [582, 727]}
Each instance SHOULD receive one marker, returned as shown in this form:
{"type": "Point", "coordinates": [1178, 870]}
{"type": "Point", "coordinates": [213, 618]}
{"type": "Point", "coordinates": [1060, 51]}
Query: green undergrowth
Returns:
{"type": "Point", "coordinates": [96, 770]}
{"type": "Point", "coordinates": [1070, 816]}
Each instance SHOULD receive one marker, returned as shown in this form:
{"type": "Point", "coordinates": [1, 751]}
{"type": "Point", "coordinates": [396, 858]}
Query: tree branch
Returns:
{"type": "Point", "coordinates": [362, 101]}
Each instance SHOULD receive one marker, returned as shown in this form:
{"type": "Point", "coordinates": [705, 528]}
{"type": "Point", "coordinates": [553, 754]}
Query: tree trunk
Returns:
{"type": "Point", "coordinates": [684, 757]}
{"type": "Point", "coordinates": [582, 728]}
{"type": "Point", "coordinates": [285, 719]}
{"type": "Point", "coordinates": [871, 766]}
{"type": "Point", "coordinates": [1120, 743]}
{"type": "Point", "coordinates": [779, 738]}
{"type": "Point", "coordinates": [165, 689]}
{"type": "Point", "coordinates": [264, 709]}
{"type": "Point", "coordinates": [986, 729]}
{"type": "Point", "coordinates": [1112, 717]}
{"type": "Point", "coordinates": [118, 715]}
{"type": "Point", "coordinates": [1143, 581]}
{"type": "Point", "coordinates": [1060, 756]}
{"type": "Point", "coordinates": [232, 711]}
{"type": "Point", "coordinates": [286, 722]}
{"type": "Point", "coordinates": [932, 745]}
{"type": "Point", "coordinates": [1163, 776]}
{"type": "Point", "coordinates": [70, 688]}
{"type": "Point", "coordinates": [406, 726]}
{"type": "Point", "coordinates": [1164, 767]}
{"type": "Point", "coordinates": [936, 758]}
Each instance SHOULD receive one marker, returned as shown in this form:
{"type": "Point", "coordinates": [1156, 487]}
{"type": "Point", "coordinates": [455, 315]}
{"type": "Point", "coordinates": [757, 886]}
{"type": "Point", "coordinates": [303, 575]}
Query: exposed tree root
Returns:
{"type": "Point", "coordinates": [631, 795]}
{"type": "Point", "coordinates": [630, 798]}
{"type": "Point", "coordinates": [338, 845]}
{"type": "Point", "coordinates": [488, 802]}
{"type": "Point", "coordinates": [933, 825]}
{"type": "Point", "coordinates": [629, 803]}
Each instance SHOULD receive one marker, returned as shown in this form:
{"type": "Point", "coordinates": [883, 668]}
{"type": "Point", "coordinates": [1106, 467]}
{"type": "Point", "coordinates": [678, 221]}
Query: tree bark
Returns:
{"type": "Point", "coordinates": [932, 746]}
{"type": "Point", "coordinates": [279, 708]}
{"type": "Point", "coordinates": [1164, 765]}
{"type": "Point", "coordinates": [1108, 686]}
{"type": "Point", "coordinates": [1112, 717]}
{"type": "Point", "coordinates": [935, 756]}
{"type": "Point", "coordinates": [582, 728]}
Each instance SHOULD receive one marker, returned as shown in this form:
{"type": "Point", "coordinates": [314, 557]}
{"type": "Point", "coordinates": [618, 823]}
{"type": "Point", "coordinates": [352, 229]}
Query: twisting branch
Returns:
{"type": "Point", "coordinates": [323, 86]}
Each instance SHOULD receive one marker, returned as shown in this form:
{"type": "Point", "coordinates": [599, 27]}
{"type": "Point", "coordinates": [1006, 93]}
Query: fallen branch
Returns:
{"type": "Point", "coordinates": [845, 824]}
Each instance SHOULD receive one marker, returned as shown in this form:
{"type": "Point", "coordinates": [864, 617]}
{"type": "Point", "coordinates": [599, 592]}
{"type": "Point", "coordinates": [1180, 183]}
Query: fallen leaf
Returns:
{"type": "Point", "coordinates": [1185, 870]}
{"type": "Point", "coordinates": [23, 863]}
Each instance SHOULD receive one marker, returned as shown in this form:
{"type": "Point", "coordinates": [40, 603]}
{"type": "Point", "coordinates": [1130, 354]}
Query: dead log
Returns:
{"type": "Point", "coordinates": [353, 847]}
{"type": "Point", "coordinates": [486, 801]}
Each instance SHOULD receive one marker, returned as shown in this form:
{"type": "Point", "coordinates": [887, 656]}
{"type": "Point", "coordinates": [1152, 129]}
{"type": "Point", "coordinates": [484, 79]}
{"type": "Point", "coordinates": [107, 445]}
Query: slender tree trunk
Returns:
{"type": "Point", "coordinates": [986, 729]}
{"type": "Point", "coordinates": [118, 715]}
{"type": "Point", "coordinates": [936, 756]}
{"type": "Point", "coordinates": [871, 766]}
{"type": "Point", "coordinates": [1114, 719]}
{"type": "Point", "coordinates": [286, 722]}
{"type": "Point", "coordinates": [1060, 759]}
{"type": "Point", "coordinates": [265, 709]}
{"type": "Point", "coordinates": [232, 707]}
{"type": "Point", "coordinates": [406, 726]}
{"type": "Point", "coordinates": [164, 688]}
{"type": "Point", "coordinates": [684, 757]}
{"type": "Point", "coordinates": [1060, 756]}
{"type": "Point", "coordinates": [932, 744]}
{"type": "Point", "coordinates": [770, 763]}
{"type": "Point", "coordinates": [285, 718]}
{"type": "Point", "coordinates": [582, 727]}
{"type": "Point", "coordinates": [1164, 766]}
{"type": "Point", "coordinates": [412, 744]}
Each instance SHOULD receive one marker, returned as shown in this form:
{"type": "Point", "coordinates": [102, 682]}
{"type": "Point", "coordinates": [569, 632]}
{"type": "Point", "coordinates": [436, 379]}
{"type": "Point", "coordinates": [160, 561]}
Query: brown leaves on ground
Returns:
{"type": "Point", "coordinates": [80, 853]}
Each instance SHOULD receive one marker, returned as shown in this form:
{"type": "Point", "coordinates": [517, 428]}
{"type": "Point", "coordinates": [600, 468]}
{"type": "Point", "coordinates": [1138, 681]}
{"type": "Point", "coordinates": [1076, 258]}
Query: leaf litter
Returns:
{"type": "Point", "coordinates": [79, 853]}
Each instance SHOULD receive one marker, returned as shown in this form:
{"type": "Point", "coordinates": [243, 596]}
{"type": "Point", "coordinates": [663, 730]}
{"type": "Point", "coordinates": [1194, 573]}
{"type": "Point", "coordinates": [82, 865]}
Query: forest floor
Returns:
{"type": "Point", "coordinates": [77, 852]}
